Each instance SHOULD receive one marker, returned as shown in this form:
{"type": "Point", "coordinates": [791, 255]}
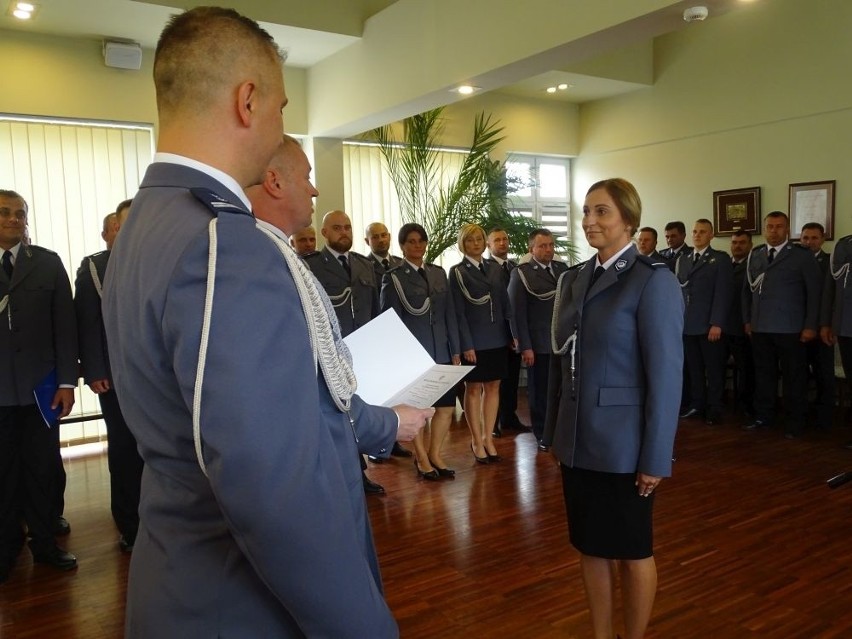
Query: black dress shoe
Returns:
{"type": "Point", "coordinates": [757, 423]}
{"type": "Point", "coordinates": [371, 487]}
{"type": "Point", "coordinates": [690, 412]}
{"type": "Point", "coordinates": [57, 558]}
{"type": "Point", "coordinates": [125, 544]}
{"type": "Point", "coordinates": [542, 446]}
{"type": "Point", "coordinates": [375, 460]}
{"type": "Point", "coordinates": [518, 425]}
{"type": "Point", "coordinates": [399, 451]}
{"type": "Point", "coordinates": [62, 527]}
{"type": "Point", "coordinates": [848, 445]}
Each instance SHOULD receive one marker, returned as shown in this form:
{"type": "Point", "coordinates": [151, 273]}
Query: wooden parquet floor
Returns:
{"type": "Point", "coordinates": [749, 543]}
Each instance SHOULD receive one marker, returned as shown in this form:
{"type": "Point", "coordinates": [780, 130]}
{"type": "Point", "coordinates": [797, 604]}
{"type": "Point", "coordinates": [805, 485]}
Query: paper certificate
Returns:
{"type": "Point", "coordinates": [393, 368]}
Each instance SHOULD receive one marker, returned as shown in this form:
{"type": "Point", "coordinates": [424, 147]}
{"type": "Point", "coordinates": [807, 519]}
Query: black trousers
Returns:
{"type": "Point", "coordinates": [537, 376]}
{"type": "Point", "coordinates": [771, 350]}
{"type": "Point", "coordinates": [705, 361]}
{"type": "Point", "coordinates": [29, 457]}
{"type": "Point", "coordinates": [507, 415]}
{"type": "Point", "coordinates": [820, 363]}
{"type": "Point", "coordinates": [845, 345]}
{"type": "Point", "coordinates": [125, 468]}
{"type": "Point", "coordinates": [740, 349]}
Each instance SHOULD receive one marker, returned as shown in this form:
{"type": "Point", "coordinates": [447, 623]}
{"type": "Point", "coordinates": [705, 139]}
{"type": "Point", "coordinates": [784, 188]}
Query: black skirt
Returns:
{"type": "Point", "coordinates": [491, 364]}
{"type": "Point", "coordinates": [606, 515]}
{"type": "Point", "coordinates": [447, 399]}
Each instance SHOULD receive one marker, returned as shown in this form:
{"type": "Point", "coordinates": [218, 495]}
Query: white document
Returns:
{"type": "Point", "coordinates": [393, 368]}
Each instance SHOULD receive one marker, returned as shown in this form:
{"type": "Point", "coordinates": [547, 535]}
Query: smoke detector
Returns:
{"type": "Point", "coordinates": [695, 14]}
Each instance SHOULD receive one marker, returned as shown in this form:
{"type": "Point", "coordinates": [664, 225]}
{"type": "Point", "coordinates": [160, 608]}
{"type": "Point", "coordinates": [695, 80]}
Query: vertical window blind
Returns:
{"type": "Point", "coordinates": [72, 173]}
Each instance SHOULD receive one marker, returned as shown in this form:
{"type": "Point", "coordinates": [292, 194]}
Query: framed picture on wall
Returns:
{"type": "Point", "coordinates": [737, 210]}
{"type": "Point", "coordinates": [812, 202]}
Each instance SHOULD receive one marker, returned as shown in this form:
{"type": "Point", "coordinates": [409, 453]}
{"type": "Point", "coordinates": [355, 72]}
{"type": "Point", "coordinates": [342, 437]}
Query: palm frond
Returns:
{"type": "Point", "coordinates": [479, 194]}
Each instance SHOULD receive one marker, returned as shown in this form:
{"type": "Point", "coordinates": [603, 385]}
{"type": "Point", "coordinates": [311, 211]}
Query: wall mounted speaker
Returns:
{"type": "Point", "coordinates": [123, 55]}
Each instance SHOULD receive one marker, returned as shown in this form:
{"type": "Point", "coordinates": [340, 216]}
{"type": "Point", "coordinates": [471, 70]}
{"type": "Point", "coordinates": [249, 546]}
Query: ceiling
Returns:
{"type": "Point", "coordinates": [316, 31]}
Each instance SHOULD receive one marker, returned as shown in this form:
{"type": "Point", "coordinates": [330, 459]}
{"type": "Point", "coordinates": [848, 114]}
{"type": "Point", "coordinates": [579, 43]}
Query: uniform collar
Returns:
{"type": "Point", "coordinates": [211, 171]}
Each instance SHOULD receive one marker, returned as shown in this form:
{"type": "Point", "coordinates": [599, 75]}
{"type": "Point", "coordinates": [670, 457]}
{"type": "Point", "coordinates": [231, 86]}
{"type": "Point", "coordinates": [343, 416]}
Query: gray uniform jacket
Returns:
{"type": "Point", "coordinates": [837, 290]}
{"type": "Point", "coordinates": [355, 298]}
{"type": "Point", "coordinates": [94, 358]}
{"type": "Point", "coordinates": [275, 541]}
{"type": "Point", "coordinates": [436, 329]}
{"type": "Point", "coordinates": [38, 331]}
{"type": "Point", "coordinates": [707, 289]}
{"type": "Point", "coordinates": [784, 296]}
{"type": "Point", "coordinates": [481, 326]}
{"type": "Point", "coordinates": [531, 292]}
{"type": "Point", "coordinates": [618, 411]}
{"type": "Point", "coordinates": [379, 268]}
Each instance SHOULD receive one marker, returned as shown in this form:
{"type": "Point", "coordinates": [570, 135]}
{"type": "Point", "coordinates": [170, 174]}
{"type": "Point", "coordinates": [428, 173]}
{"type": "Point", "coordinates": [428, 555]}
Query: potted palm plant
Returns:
{"type": "Point", "coordinates": [480, 193]}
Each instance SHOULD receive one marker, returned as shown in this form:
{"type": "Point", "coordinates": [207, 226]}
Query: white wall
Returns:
{"type": "Point", "coordinates": [754, 98]}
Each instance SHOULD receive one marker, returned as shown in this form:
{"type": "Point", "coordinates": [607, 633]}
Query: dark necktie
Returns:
{"type": "Point", "coordinates": [422, 272]}
{"type": "Point", "coordinates": [549, 272]}
{"type": "Point", "coordinates": [596, 276]}
{"type": "Point", "coordinates": [771, 255]}
{"type": "Point", "coordinates": [345, 263]}
{"type": "Point", "coordinates": [695, 257]}
{"type": "Point", "coordinates": [482, 267]}
{"type": "Point", "coordinates": [506, 266]}
{"type": "Point", "coordinates": [7, 264]}
{"type": "Point", "coordinates": [386, 263]}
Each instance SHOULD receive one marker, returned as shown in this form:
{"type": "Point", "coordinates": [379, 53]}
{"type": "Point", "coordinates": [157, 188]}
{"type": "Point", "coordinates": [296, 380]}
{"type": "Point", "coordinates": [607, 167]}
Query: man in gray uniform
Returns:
{"type": "Point", "coordinates": [352, 284]}
{"type": "Point", "coordinates": [780, 313]}
{"type": "Point", "coordinates": [705, 281]}
{"type": "Point", "coordinates": [252, 520]}
{"type": "Point", "coordinates": [820, 356]}
{"type": "Point", "coordinates": [836, 312]}
{"type": "Point", "coordinates": [38, 348]}
{"type": "Point", "coordinates": [349, 278]}
{"type": "Point", "coordinates": [125, 465]}
{"type": "Point", "coordinates": [532, 287]}
{"type": "Point", "coordinates": [507, 415]}
{"type": "Point", "coordinates": [378, 239]}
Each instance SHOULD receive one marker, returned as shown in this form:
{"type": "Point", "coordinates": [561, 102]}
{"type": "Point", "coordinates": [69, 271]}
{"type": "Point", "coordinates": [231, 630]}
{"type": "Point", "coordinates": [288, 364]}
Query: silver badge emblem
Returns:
{"type": "Point", "coordinates": [620, 264]}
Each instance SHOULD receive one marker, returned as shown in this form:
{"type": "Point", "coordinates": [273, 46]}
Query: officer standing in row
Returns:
{"type": "Point", "coordinates": [781, 313]}
{"type": "Point", "coordinates": [125, 464]}
{"type": "Point", "coordinates": [532, 289]}
{"type": "Point", "coordinates": [705, 280]}
{"type": "Point", "coordinates": [836, 311]}
{"type": "Point", "coordinates": [820, 356]}
{"type": "Point", "coordinates": [738, 342]}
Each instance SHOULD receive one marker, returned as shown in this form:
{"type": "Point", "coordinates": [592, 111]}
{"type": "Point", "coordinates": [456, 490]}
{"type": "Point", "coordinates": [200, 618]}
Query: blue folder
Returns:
{"type": "Point", "coordinates": [44, 392]}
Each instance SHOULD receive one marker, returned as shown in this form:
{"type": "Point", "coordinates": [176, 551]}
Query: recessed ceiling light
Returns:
{"type": "Point", "coordinates": [563, 86]}
{"type": "Point", "coordinates": [22, 10]}
{"type": "Point", "coordinates": [551, 89]}
{"type": "Point", "coordinates": [466, 89]}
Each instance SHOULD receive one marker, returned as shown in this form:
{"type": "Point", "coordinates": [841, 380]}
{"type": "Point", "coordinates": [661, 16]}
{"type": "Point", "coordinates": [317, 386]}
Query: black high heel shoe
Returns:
{"type": "Point", "coordinates": [481, 460]}
{"type": "Point", "coordinates": [443, 472]}
{"type": "Point", "coordinates": [493, 458]}
{"type": "Point", "coordinates": [431, 475]}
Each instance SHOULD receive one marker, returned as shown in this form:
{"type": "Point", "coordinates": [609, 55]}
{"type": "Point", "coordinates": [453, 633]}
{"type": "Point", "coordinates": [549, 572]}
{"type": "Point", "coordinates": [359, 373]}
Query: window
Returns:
{"type": "Point", "coordinates": [72, 173]}
{"type": "Point", "coordinates": [544, 190]}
